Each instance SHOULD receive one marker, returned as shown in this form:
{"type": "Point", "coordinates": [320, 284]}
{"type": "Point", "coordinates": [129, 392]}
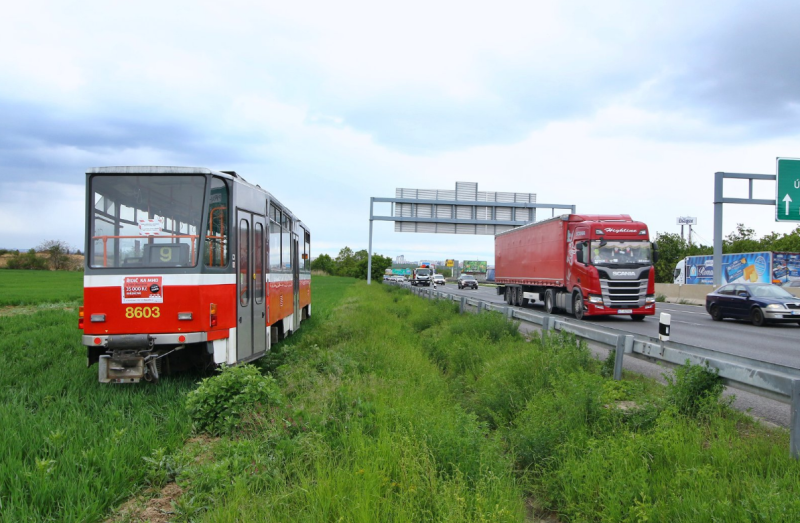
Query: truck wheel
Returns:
{"type": "Point", "coordinates": [507, 297]}
{"type": "Point", "coordinates": [549, 301]}
{"type": "Point", "coordinates": [518, 297]}
{"type": "Point", "coordinates": [577, 306]}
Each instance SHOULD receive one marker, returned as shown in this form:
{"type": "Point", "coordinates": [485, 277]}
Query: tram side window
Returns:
{"type": "Point", "coordinates": [286, 244]}
{"type": "Point", "coordinates": [306, 250]}
{"type": "Point", "coordinates": [274, 246]}
{"type": "Point", "coordinates": [216, 251]}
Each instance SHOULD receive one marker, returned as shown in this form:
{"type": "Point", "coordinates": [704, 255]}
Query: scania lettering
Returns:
{"type": "Point", "coordinates": [584, 264]}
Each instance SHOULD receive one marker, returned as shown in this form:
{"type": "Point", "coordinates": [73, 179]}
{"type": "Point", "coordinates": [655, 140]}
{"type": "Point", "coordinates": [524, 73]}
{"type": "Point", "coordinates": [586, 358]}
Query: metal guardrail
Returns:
{"type": "Point", "coordinates": [767, 380]}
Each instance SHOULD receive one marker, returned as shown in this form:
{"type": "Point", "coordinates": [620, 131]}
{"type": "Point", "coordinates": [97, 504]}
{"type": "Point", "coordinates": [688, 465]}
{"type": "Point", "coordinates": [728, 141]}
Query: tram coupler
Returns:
{"type": "Point", "coordinates": [131, 359]}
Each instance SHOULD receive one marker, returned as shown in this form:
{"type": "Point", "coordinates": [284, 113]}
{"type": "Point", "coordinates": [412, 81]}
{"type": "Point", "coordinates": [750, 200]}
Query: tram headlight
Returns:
{"type": "Point", "coordinates": [213, 315]}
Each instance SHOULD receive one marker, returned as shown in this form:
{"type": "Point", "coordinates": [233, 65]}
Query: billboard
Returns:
{"type": "Point", "coordinates": [449, 263]}
{"type": "Point", "coordinates": [474, 266]}
{"type": "Point", "coordinates": [754, 267]}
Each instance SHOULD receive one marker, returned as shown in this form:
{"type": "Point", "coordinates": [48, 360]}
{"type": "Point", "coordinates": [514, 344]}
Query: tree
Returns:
{"type": "Point", "coordinates": [671, 249]}
{"type": "Point", "coordinates": [379, 266]}
{"type": "Point", "coordinates": [323, 263]}
{"type": "Point", "coordinates": [346, 263]}
{"type": "Point", "coordinates": [57, 253]}
{"type": "Point", "coordinates": [788, 242]}
{"type": "Point", "coordinates": [742, 239]}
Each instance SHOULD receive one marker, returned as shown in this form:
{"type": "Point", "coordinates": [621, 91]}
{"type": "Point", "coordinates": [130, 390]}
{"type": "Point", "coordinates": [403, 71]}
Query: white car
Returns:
{"type": "Point", "coordinates": [438, 279]}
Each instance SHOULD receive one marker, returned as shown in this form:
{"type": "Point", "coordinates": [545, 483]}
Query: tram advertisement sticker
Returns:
{"type": "Point", "coordinates": [149, 227]}
{"type": "Point", "coordinates": [142, 289]}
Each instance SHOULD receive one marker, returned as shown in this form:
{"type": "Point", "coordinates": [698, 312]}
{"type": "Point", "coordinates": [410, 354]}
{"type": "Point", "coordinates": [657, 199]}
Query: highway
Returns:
{"type": "Point", "coordinates": [691, 325]}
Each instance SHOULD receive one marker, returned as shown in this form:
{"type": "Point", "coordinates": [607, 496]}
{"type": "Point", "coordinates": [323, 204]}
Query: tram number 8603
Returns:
{"type": "Point", "coordinates": [142, 312]}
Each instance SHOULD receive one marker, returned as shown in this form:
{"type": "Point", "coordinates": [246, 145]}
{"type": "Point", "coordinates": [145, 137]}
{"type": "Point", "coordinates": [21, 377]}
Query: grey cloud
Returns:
{"type": "Point", "coordinates": [32, 134]}
{"type": "Point", "coordinates": [742, 73]}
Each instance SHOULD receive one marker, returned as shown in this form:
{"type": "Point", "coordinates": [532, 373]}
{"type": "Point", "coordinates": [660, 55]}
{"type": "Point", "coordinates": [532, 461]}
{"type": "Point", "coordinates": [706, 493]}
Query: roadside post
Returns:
{"type": "Point", "coordinates": [663, 326]}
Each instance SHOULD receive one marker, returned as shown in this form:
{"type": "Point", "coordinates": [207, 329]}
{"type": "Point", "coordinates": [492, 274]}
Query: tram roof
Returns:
{"type": "Point", "coordinates": [156, 169]}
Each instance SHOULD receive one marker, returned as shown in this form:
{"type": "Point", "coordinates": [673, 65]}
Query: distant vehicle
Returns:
{"type": "Point", "coordinates": [422, 276]}
{"type": "Point", "coordinates": [438, 279]}
{"type": "Point", "coordinates": [794, 283]}
{"type": "Point", "coordinates": [467, 280]}
{"type": "Point", "coordinates": [490, 275]}
{"type": "Point", "coordinates": [759, 303]}
{"type": "Point", "coordinates": [747, 267]}
{"type": "Point", "coordinates": [387, 277]}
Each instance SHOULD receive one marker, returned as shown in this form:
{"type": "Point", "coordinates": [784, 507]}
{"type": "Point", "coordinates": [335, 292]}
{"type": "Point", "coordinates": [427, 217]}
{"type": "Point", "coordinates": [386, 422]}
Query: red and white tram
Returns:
{"type": "Point", "coordinates": [187, 267]}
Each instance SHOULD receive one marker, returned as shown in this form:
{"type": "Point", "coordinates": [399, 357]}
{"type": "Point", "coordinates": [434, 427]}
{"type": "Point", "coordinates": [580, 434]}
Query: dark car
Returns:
{"type": "Point", "coordinates": [465, 280]}
{"type": "Point", "coordinates": [758, 302]}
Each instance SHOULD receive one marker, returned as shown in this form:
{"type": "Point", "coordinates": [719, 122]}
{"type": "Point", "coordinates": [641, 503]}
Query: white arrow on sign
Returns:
{"type": "Point", "coordinates": [788, 200]}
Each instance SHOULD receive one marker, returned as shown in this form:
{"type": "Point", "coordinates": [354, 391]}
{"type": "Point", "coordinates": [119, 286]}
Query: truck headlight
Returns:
{"type": "Point", "coordinates": [593, 298]}
{"type": "Point", "coordinates": [650, 299]}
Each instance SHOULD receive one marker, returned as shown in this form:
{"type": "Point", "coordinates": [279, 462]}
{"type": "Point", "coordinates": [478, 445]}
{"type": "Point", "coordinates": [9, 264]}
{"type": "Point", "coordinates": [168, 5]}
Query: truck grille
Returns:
{"type": "Point", "coordinates": [624, 294]}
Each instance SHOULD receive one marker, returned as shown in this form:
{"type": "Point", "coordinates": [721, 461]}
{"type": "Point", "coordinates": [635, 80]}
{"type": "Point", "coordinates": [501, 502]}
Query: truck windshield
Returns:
{"type": "Point", "coordinates": [621, 253]}
{"type": "Point", "coordinates": [145, 221]}
{"type": "Point", "coordinates": [423, 272]}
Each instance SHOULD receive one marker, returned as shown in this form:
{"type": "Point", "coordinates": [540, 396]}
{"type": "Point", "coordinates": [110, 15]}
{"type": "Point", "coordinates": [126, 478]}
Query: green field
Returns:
{"type": "Point", "coordinates": [38, 287]}
{"type": "Point", "coordinates": [383, 407]}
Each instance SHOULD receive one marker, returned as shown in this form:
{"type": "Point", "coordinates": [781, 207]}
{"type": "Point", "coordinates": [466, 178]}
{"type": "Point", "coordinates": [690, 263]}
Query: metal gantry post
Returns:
{"type": "Point", "coordinates": [718, 180]}
{"type": "Point", "coordinates": [720, 199]}
{"type": "Point", "coordinates": [369, 254]}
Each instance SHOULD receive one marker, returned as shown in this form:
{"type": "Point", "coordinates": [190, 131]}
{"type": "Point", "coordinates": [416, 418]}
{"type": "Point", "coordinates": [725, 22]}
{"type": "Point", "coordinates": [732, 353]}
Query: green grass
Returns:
{"type": "Point", "coordinates": [36, 287]}
{"type": "Point", "coordinates": [399, 409]}
{"type": "Point", "coordinates": [384, 407]}
{"type": "Point", "coordinates": [72, 449]}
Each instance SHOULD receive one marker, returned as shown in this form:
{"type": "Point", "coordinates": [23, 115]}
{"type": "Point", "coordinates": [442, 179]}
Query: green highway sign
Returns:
{"type": "Point", "coordinates": [787, 191]}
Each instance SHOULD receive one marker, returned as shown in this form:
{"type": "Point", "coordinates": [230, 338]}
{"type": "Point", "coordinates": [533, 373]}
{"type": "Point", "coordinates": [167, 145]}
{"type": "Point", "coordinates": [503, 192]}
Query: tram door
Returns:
{"type": "Point", "coordinates": [296, 279]}
{"type": "Point", "coordinates": [251, 337]}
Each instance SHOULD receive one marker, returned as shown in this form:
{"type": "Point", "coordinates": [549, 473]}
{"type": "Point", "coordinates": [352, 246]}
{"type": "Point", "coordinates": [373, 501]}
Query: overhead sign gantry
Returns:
{"type": "Point", "coordinates": [464, 210]}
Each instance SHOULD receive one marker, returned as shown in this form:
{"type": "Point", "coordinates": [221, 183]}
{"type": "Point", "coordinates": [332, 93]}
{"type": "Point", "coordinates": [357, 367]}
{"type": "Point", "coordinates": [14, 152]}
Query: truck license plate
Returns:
{"type": "Point", "coordinates": [624, 311]}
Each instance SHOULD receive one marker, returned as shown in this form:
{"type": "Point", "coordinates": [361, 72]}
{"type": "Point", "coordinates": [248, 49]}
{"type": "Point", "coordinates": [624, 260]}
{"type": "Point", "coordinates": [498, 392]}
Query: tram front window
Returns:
{"type": "Point", "coordinates": [145, 220]}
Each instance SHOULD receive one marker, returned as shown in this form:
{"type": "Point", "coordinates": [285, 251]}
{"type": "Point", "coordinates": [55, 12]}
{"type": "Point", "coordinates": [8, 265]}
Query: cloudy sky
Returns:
{"type": "Point", "coordinates": [615, 106]}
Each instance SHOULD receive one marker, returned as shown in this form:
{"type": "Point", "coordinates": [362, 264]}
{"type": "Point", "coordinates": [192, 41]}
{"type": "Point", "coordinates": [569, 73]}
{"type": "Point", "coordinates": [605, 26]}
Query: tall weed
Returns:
{"type": "Point", "coordinates": [694, 389]}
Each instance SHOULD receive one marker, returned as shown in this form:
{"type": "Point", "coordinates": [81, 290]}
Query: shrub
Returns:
{"type": "Point", "coordinates": [607, 367]}
{"type": "Point", "coordinates": [556, 417]}
{"type": "Point", "coordinates": [28, 261]}
{"type": "Point", "coordinates": [693, 388]}
{"type": "Point", "coordinates": [217, 405]}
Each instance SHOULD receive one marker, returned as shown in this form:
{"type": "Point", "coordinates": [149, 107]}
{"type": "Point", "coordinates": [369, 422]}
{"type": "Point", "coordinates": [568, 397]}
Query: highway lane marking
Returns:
{"type": "Point", "coordinates": [682, 311]}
